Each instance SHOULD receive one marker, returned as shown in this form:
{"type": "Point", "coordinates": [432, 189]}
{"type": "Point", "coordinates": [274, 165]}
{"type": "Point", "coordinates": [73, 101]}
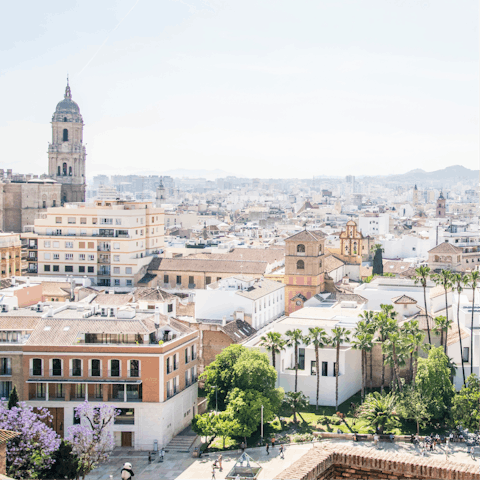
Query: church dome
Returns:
{"type": "Point", "coordinates": [67, 109]}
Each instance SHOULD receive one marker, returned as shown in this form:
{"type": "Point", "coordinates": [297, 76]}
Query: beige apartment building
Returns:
{"type": "Point", "coordinates": [10, 254]}
{"type": "Point", "coordinates": [111, 242]}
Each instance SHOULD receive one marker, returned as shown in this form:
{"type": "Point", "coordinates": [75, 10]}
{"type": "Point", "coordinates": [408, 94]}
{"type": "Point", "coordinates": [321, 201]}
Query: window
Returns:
{"type": "Point", "coordinates": [194, 353]}
{"type": "Point", "coordinates": [208, 280]}
{"type": "Point", "coordinates": [96, 368]}
{"type": "Point", "coordinates": [165, 279]}
{"type": "Point", "coordinates": [179, 280]}
{"type": "Point", "coordinates": [300, 265]}
{"type": "Point", "coordinates": [117, 282]}
{"type": "Point", "coordinates": [91, 258]}
{"type": "Point", "coordinates": [81, 257]}
{"type": "Point", "coordinates": [187, 378]}
{"type": "Point", "coordinates": [76, 368]}
{"type": "Point", "coordinates": [91, 269]}
{"type": "Point", "coordinates": [81, 269]}
{"type": "Point", "coordinates": [80, 390]}
{"type": "Point", "coordinates": [68, 244]}
{"type": "Point", "coordinates": [59, 390]}
{"type": "Point", "coordinates": [301, 359]}
{"type": "Point", "coordinates": [114, 368]}
{"type": "Point", "coordinates": [72, 220]}
{"type": "Point", "coordinates": [40, 390]}
{"type": "Point", "coordinates": [116, 258]}
{"type": "Point", "coordinates": [118, 221]}
{"type": "Point", "coordinates": [56, 256]}
{"type": "Point", "coordinates": [126, 417]}
{"type": "Point", "coordinates": [65, 135]}
{"type": "Point", "coordinates": [68, 268]}
{"type": "Point", "coordinates": [91, 245]}
{"type": "Point", "coordinates": [116, 245]}
{"type": "Point", "coordinates": [37, 367]}
{"type": "Point", "coordinates": [56, 268]}
{"type": "Point", "coordinates": [56, 368]}
{"type": "Point", "coordinates": [134, 368]}
{"type": "Point", "coordinates": [46, 244]}
{"type": "Point", "coordinates": [129, 283]}
{"type": "Point", "coordinates": [106, 221]}
{"type": "Point", "coordinates": [170, 308]}
{"type": "Point", "coordinates": [128, 270]}
{"type": "Point", "coordinates": [5, 389]}
{"type": "Point", "coordinates": [98, 391]}
{"type": "Point", "coordinates": [69, 256]}
{"type": "Point", "coordinates": [466, 354]}
{"type": "Point", "coordinates": [54, 203]}
{"type": "Point", "coordinates": [191, 280]}
{"type": "Point", "coordinates": [187, 359]}
{"type": "Point", "coordinates": [5, 366]}
{"type": "Point", "coordinates": [169, 365]}
{"type": "Point", "coordinates": [313, 368]}
{"type": "Point", "coordinates": [300, 248]}
{"type": "Point", "coordinates": [83, 221]}
{"type": "Point", "coordinates": [46, 268]}
{"type": "Point", "coordinates": [58, 219]}
{"type": "Point", "coordinates": [46, 256]}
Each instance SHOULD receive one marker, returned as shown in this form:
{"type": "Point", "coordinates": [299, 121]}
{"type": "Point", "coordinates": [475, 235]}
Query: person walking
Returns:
{"type": "Point", "coordinates": [242, 446]}
{"type": "Point", "coordinates": [219, 462]}
{"type": "Point", "coordinates": [213, 472]}
{"type": "Point", "coordinates": [127, 472]}
{"type": "Point", "coordinates": [282, 454]}
{"type": "Point", "coordinates": [375, 440]}
{"type": "Point", "coordinates": [268, 448]}
{"type": "Point", "coordinates": [273, 442]}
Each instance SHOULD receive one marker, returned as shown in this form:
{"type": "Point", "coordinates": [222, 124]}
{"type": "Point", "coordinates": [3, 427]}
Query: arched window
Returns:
{"type": "Point", "coordinates": [65, 119]}
{"type": "Point", "coordinates": [319, 249]}
{"type": "Point", "coordinates": [65, 135]}
{"type": "Point", "coordinates": [64, 167]}
{"type": "Point", "coordinates": [59, 171]}
{"type": "Point", "coordinates": [300, 248]}
{"type": "Point", "coordinates": [300, 265]}
{"type": "Point", "coordinates": [69, 171]}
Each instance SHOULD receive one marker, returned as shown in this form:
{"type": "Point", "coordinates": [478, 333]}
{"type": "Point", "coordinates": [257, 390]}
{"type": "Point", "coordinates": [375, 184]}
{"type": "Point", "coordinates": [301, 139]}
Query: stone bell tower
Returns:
{"type": "Point", "coordinates": [66, 153]}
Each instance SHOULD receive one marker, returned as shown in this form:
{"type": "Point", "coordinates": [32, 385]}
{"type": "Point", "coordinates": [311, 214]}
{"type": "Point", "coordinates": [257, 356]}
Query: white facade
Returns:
{"type": "Point", "coordinates": [374, 224]}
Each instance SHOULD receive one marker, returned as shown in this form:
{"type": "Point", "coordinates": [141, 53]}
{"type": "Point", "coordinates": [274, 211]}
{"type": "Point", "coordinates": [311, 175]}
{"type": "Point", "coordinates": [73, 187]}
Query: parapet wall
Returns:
{"type": "Point", "coordinates": [326, 462]}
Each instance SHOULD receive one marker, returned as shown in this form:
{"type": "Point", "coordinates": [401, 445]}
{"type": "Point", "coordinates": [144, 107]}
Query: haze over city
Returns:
{"type": "Point", "coordinates": [257, 89]}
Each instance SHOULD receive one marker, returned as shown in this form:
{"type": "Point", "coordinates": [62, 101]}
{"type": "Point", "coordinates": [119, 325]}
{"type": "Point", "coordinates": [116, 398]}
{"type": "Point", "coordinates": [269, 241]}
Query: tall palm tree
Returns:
{"type": "Point", "coordinates": [385, 324]}
{"type": "Point", "coordinates": [422, 274]}
{"type": "Point", "coordinates": [318, 338]}
{"type": "Point", "coordinates": [394, 345]}
{"type": "Point", "coordinates": [339, 335]}
{"type": "Point", "coordinates": [458, 282]}
{"type": "Point", "coordinates": [294, 339]}
{"type": "Point", "coordinates": [363, 341]}
{"type": "Point", "coordinates": [444, 278]}
{"type": "Point", "coordinates": [273, 343]}
{"type": "Point", "coordinates": [473, 279]}
{"type": "Point", "coordinates": [368, 316]}
{"type": "Point", "coordinates": [442, 325]}
{"type": "Point", "coordinates": [414, 339]}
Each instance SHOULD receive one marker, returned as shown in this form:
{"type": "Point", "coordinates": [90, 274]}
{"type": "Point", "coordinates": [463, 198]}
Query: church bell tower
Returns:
{"type": "Point", "coordinates": [66, 153]}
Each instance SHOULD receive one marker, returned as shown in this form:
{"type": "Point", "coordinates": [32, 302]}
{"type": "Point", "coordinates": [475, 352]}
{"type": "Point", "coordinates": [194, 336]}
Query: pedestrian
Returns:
{"type": "Point", "coordinates": [237, 477]}
{"type": "Point", "coordinates": [149, 457]}
{"type": "Point", "coordinates": [268, 448]}
{"type": "Point", "coordinates": [219, 461]}
{"type": "Point", "coordinates": [392, 438]}
{"type": "Point", "coordinates": [273, 442]}
{"type": "Point", "coordinates": [127, 472]}
{"type": "Point", "coordinates": [242, 446]}
{"type": "Point", "coordinates": [282, 455]}
{"type": "Point", "coordinates": [375, 440]}
{"type": "Point", "coordinates": [162, 454]}
{"type": "Point", "coordinates": [213, 472]}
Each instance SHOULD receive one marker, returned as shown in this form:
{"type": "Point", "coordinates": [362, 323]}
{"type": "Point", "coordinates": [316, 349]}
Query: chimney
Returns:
{"type": "Point", "coordinates": [13, 280]}
{"type": "Point", "coordinates": [28, 281]}
{"type": "Point", "coordinates": [157, 318]}
{"type": "Point", "coordinates": [50, 312]}
{"type": "Point", "coordinates": [224, 321]}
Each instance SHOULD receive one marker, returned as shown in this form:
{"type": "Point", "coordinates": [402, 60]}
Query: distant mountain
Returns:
{"type": "Point", "coordinates": [208, 174]}
{"type": "Point", "coordinates": [448, 174]}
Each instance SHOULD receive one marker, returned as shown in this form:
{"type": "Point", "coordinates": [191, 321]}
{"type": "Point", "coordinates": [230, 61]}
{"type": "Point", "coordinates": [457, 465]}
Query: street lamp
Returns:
{"type": "Point", "coordinates": [261, 423]}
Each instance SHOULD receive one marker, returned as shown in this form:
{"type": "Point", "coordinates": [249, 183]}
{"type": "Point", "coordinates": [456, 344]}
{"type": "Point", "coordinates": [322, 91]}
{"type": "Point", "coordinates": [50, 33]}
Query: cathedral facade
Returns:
{"type": "Point", "coordinates": [24, 198]}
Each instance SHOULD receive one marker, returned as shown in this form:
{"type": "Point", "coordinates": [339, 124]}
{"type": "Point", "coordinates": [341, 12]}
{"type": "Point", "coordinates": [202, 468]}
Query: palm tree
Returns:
{"type": "Point", "coordinates": [294, 339]}
{"type": "Point", "coordinates": [273, 343]}
{"type": "Point", "coordinates": [444, 278]}
{"type": "Point", "coordinates": [295, 401]}
{"type": "Point", "coordinates": [472, 280]}
{"type": "Point", "coordinates": [379, 409]}
{"type": "Point", "coordinates": [318, 338]}
{"type": "Point", "coordinates": [394, 346]}
{"type": "Point", "coordinates": [414, 339]}
{"type": "Point", "coordinates": [339, 335]}
{"type": "Point", "coordinates": [422, 274]}
{"type": "Point", "coordinates": [458, 282]}
{"type": "Point", "coordinates": [442, 324]}
{"type": "Point", "coordinates": [385, 323]}
{"type": "Point", "coordinates": [368, 316]}
{"type": "Point", "coordinates": [364, 342]}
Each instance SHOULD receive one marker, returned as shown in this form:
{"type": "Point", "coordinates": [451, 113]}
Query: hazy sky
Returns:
{"type": "Point", "coordinates": [267, 88]}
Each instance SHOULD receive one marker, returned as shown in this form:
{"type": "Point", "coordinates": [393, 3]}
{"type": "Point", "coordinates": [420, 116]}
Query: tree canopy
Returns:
{"type": "Point", "coordinates": [466, 407]}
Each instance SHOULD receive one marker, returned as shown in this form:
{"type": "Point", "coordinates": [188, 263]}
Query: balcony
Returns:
{"type": "Point", "coordinates": [171, 392]}
{"type": "Point", "coordinates": [36, 372]}
{"type": "Point", "coordinates": [76, 372]}
{"type": "Point", "coordinates": [33, 247]}
{"type": "Point", "coordinates": [6, 371]}
{"type": "Point", "coordinates": [114, 373]}
{"type": "Point", "coordinates": [32, 258]}
{"type": "Point", "coordinates": [104, 248]}
{"type": "Point", "coordinates": [105, 259]}
{"type": "Point", "coordinates": [56, 372]}
{"type": "Point", "coordinates": [194, 356]}
{"type": "Point", "coordinates": [134, 373]}
{"type": "Point", "coordinates": [95, 372]}
{"type": "Point", "coordinates": [32, 270]}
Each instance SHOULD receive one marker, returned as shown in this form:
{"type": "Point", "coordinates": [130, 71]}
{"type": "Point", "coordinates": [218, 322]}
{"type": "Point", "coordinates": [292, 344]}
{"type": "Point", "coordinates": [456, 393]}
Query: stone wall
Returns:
{"type": "Point", "coordinates": [332, 461]}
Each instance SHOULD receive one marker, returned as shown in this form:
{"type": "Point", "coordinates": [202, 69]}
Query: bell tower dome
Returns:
{"type": "Point", "coordinates": [66, 153]}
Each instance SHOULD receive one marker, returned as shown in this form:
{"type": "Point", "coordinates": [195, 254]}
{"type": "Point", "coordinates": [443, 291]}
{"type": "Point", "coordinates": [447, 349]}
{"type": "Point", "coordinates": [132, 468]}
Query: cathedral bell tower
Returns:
{"type": "Point", "coordinates": [66, 153]}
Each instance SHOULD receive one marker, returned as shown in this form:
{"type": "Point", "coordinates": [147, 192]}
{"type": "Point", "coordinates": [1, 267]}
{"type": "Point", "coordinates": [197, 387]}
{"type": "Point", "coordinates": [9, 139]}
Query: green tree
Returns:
{"type": "Point", "coordinates": [472, 281]}
{"type": "Point", "coordinates": [444, 279]}
{"type": "Point", "coordinates": [442, 325]}
{"type": "Point", "coordinates": [226, 426]}
{"type": "Point", "coordinates": [394, 347]}
{"type": "Point", "coordinates": [368, 316]}
{"type": "Point", "coordinates": [339, 336]}
{"type": "Point", "coordinates": [378, 410]}
{"type": "Point", "coordinates": [363, 341]}
{"type": "Point", "coordinates": [466, 404]}
{"type": "Point", "coordinates": [294, 402]}
{"type": "Point", "coordinates": [458, 283]}
{"type": "Point", "coordinates": [318, 338]}
{"type": "Point", "coordinates": [412, 406]}
{"type": "Point", "coordinates": [204, 425]}
{"type": "Point", "coordinates": [13, 398]}
{"type": "Point", "coordinates": [67, 464]}
{"type": "Point", "coordinates": [295, 339]}
{"type": "Point", "coordinates": [377, 250]}
{"type": "Point", "coordinates": [273, 343]}
{"type": "Point", "coordinates": [413, 342]}
{"type": "Point", "coordinates": [434, 384]}
{"type": "Point", "coordinates": [422, 274]}
{"type": "Point", "coordinates": [385, 324]}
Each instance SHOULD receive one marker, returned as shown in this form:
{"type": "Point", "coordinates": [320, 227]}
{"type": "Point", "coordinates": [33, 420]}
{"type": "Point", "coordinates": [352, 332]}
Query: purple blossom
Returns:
{"type": "Point", "coordinates": [31, 452]}
{"type": "Point", "coordinates": [92, 440]}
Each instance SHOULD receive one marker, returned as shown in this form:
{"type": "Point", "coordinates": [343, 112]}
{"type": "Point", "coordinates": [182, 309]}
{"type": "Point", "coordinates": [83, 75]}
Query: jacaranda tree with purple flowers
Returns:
{"type": "Point", "coordinates": [92, 439]}
{"type": "Point", "coordinates": [29, 454]}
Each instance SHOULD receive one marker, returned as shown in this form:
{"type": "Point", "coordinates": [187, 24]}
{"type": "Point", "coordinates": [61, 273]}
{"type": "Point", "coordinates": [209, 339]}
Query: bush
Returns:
{"type": "Point", "coordinates": [302, 437]}
{"type": "Point", "coordinates": [276, 424]}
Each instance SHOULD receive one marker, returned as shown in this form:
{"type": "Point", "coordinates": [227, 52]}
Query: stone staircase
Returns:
{"type": "Point", "coordinates": [181, 443]}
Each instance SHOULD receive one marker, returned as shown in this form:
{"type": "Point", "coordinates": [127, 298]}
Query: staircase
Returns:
{"type": "Point", "coordinates": [181, 443]}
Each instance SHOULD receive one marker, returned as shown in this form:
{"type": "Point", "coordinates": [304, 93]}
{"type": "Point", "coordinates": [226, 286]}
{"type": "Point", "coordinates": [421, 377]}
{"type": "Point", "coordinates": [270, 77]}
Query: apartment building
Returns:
{"type": "Point", "coordinates": [110, 242]}
{"type": "Point", "coordinates": [10, 254]}
{"type": "Point", "coordinates": [142, 362]}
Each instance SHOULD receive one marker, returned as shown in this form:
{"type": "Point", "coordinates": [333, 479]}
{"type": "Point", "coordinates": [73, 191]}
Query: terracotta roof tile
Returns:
{"type": "Point", "coordinates": [446, 247]}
